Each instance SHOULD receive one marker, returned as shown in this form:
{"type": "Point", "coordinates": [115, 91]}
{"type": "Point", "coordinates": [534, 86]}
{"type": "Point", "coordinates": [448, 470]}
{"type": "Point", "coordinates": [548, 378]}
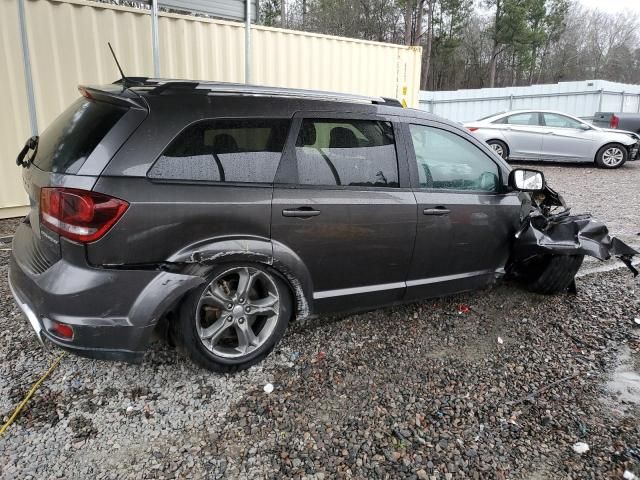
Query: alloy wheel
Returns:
{"type": "Point", "coordinates": [237, 312]}
{"type": "Point", "coordinates": [612, 157]}
{"type": "Point", "coordinates": [498, 149]}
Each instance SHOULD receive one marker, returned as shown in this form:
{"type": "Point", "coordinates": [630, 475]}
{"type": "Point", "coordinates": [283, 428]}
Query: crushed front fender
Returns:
{"type": "Point", "coordinates": [543, 233]}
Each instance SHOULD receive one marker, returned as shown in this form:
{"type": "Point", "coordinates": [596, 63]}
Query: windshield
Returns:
{"type": "Point", "coordinates": [67, 143]}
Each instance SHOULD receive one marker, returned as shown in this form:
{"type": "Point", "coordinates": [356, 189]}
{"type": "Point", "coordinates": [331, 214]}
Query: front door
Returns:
{"type": "Point", "coordinates": [565, 139]}
{"type": "Point", "coordinates": [465, 220]}
{"type": "Point", "coordinates": [344, 207]}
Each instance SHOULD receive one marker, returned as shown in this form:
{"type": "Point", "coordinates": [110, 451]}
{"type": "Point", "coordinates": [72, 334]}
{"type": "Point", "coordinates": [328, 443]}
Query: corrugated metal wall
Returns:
{"type": "Point", "coordinates": [14, 116]}
{"type": "Point", "coordinates": [68, 45]}
{"type": "Point", "coordinates": [582, 99]}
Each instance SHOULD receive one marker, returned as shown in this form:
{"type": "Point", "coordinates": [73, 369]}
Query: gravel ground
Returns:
{"type": "Point", "coordinates": [419, 391]}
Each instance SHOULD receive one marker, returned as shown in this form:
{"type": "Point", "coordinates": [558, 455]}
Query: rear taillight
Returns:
{"type": "Point", "coordinates": [62, 330]}
{"type": "Point", "coordinates": [79, 215]}
{"type": "Point", "coordinates": [615, 121]}
{"type": "Point", "coordinates": [472, 129]}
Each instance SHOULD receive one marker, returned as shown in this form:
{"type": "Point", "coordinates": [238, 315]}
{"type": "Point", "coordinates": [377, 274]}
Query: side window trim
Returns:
{"type": "Point", "coordinates": [287, 173]}
{"type": "Point", "coordinates": [413, 162]}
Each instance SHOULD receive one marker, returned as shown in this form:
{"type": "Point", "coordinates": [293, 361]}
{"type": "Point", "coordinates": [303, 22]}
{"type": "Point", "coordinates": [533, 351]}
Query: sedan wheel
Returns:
{"type": "Point", "coordinates": [499, 147]}
{"type": "Point", "coordinates": [236, 319]}
{"type": "Point", "coordinates": [611, 156]}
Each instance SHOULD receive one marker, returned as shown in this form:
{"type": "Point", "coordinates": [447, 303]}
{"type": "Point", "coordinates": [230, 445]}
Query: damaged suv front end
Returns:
{"type": "Point", "coordinates": [551, 234]}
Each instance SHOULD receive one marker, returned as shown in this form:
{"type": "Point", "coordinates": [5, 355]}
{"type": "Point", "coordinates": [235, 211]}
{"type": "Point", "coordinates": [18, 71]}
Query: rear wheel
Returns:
{"type": "Point", "coordinates": [551, 274]}
{"type": "Point", "coordinates": [236, 318]}
{"type": "Point", "coordinates": [611, 156]}
{"type": "Point", "coordinates": [499, 147]}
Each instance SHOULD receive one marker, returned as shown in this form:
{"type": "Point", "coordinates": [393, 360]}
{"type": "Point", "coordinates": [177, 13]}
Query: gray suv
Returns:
{"type": "Point", "coordinates": [224, 211]}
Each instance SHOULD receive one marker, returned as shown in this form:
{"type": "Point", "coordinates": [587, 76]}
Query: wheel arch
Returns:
{"type": "Point", "coordinates": [201, 257]}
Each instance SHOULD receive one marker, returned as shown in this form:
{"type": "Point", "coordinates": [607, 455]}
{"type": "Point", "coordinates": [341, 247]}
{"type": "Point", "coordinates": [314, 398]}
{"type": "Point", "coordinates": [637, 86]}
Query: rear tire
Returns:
{"type": "Point", "coordinates": [612, 155]}
{"type": "Point", "coordinates": [235, 319]}
{"type": "Point", "coordinates": [500, 148]}
{"type": "Point", "coordinates": [551, 274]}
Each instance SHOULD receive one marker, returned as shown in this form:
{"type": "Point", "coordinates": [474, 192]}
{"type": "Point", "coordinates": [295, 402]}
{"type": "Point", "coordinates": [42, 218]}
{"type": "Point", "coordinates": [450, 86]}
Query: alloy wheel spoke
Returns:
{"type": "Point", "coordinates": [214, 331]}
{"type": "Point", "coordinates": [246, 337]}
{"type": "Point", "coordinates": [264, 305]}
{"type": "Point", "coordinates": [215, 299]}
{"type": "Point", "coordinates": [245, 282]}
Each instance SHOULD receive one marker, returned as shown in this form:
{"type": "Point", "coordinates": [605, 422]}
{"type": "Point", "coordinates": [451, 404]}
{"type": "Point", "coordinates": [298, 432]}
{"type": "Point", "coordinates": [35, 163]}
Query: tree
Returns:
{"type": "Point", "coordinates": [506, 42]}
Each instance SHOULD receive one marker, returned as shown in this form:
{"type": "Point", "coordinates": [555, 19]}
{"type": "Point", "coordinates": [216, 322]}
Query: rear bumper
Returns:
{"type": "Point", "coordinates": [112, 311]}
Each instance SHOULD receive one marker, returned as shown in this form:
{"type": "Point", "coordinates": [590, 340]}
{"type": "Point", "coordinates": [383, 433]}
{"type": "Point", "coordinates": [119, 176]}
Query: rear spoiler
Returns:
{"type": "Point", "coordinates": [114, 95]}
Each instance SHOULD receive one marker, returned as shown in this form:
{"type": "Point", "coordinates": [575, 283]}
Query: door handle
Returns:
{"type": "Point", "coordinates": [300, 212]}
{"type": "Point", "coordinates": [436, 211]}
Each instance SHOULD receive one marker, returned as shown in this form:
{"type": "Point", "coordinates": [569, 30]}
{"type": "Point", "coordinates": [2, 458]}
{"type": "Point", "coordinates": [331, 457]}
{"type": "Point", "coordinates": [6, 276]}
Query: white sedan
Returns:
{"type": "Point", "coordinates": [536, 135]}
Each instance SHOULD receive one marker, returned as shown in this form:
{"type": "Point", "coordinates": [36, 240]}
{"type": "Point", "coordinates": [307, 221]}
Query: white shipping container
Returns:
{"type": "Point", "coordinates": [581, 99]}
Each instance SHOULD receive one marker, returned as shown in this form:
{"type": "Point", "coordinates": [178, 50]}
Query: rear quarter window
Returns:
{"type": "Point", "coordinates": [243, 151]}
{"type": "Point", "coordinates": [67, 143]}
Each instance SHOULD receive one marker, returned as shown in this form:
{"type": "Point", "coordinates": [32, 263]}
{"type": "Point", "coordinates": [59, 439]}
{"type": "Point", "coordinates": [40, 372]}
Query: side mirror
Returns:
{"type": "Point", "coordinates": [526, 180]}
{"type": "Point", "coordinates": [585, 127]}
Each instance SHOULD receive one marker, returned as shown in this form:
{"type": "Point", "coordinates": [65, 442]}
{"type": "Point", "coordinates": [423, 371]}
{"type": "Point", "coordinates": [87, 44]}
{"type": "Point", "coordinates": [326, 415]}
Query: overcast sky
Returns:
{"type": "Point", "coordinates": [613, 5]}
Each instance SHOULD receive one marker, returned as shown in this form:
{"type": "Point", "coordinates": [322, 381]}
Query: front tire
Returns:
{"type": "Point", "coordinates": [551, 274]}
{"type": "Point", "coordinates": [500, 148]}
{"type": "Point", "coordinates": [235, 319]}
{"type": "Point", "coordinates": [611, 156]}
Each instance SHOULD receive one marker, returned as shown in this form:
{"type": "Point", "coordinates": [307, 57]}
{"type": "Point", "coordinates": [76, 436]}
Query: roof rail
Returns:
{"type": "Point", "coordinates": [161, 85]}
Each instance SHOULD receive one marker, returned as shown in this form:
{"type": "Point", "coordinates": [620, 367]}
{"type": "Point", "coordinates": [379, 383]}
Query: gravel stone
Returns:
{"type": "Point", "coordinates": [413, 391]}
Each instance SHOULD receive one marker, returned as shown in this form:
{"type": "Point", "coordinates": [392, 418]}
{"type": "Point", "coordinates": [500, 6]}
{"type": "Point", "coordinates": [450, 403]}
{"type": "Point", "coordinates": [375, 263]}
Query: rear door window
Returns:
{"type": "Point", "coordinates": [67, 143]}
{"type": "Point", "coordinates": [242, 150]}
{"type": "Point", "coordinates": [336, 152]}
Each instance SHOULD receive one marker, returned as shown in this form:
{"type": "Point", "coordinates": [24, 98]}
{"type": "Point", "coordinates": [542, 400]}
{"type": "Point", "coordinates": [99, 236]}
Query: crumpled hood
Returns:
{"type": "Point", "coordinates": [625, 136]}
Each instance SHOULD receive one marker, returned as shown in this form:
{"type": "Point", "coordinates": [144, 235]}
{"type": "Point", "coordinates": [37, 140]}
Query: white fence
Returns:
{"type": "Point", "coordinates": [581, 99]}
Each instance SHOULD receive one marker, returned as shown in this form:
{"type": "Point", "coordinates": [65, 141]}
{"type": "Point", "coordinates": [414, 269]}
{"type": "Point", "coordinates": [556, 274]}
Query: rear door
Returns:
{"type": "Point", "coordinates": [342, 203]}
{"type": "Point", "coordinates": [524, 134]}
{"type": "Point", "coordinates": [565, 140]}
{"type": "Point", "coordinates": [465, 218]}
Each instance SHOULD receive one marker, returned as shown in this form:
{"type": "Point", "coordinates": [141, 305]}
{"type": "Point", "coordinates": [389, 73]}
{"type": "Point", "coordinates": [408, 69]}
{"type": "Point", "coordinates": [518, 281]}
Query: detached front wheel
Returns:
{"type": "Point", "coordinates": [236, 318]}
{"type": "Point", "coordinates": [550, 274]}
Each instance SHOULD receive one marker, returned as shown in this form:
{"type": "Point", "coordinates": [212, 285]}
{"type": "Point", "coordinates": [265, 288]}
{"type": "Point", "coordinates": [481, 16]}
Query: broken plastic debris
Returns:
{"type": "Point", "coordinates": [580, 447]}
{"type": "Point", "coordinates": [462, 308]}
{"type": "Point", "coordinates": [627, 475]}
{"type": "Point", "coordinates": [268, 388]}
{"type": "Point", "coordinates": [543, 233]}
{"type": "Point", "coordinates": [636, 320]}
{"type": "Point", "coordinates": [500, 340]}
